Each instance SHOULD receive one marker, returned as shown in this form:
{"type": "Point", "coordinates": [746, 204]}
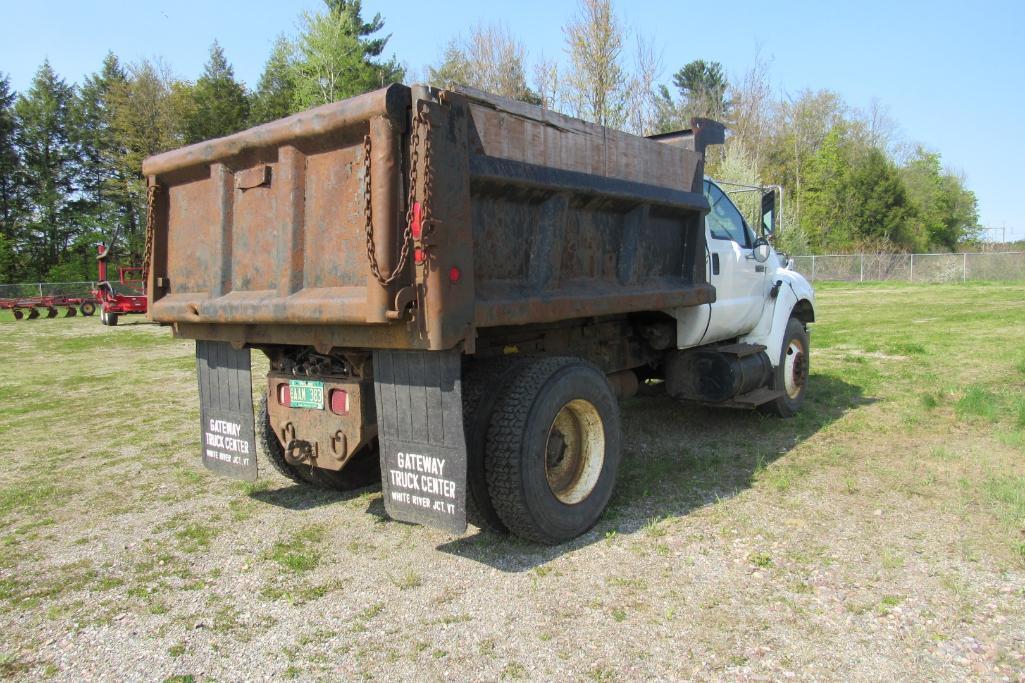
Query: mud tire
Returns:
{"type": "Point", "coordinates": [518, 449]}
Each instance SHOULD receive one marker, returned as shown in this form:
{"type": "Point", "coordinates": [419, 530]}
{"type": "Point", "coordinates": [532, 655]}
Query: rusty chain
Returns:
{"type": "Point", "coordinates": [151, 226]}
{"type": "Point", "coordinates": [419, 121]}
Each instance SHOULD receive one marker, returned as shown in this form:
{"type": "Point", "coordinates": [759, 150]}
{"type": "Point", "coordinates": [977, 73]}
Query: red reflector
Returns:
{"type": "Point", "coordinates": [417, 220]}
{"type": "Point", "coordinates": [418, 255]}
{"type": "Point", "coordinates": [284, 395]}
{"type": "Point", "coordinates": [454, 274]}
{"type": "Point", "coordinates": [339, 402]}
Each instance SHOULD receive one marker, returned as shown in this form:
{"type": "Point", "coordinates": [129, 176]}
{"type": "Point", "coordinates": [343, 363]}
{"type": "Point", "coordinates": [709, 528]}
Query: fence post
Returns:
{"type": "Point", "coordinates": [40, 286]}
{"type": "Point", "coordinates": [813, 267]}
{"type": "Point", "coordinates": [964, 269]}
{"type": "Point", "coordinates": [911, 277]}
{"type": "Point", "coordinates": [862, 266]}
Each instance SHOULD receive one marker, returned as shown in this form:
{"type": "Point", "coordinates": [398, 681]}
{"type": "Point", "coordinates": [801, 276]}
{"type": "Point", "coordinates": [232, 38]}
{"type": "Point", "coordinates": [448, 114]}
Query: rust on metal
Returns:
{"type": "Point", "coordinates": [414, 218]}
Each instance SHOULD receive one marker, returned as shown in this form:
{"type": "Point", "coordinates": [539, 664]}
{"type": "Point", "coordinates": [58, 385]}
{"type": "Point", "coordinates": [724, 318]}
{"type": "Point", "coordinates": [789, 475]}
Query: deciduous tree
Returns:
{"type": "Point", "coordinates": [336, 57]}
{"type": "Point", "coordinates": [596, 82]}
{"type": "Point", "coordinates": [490, 59]}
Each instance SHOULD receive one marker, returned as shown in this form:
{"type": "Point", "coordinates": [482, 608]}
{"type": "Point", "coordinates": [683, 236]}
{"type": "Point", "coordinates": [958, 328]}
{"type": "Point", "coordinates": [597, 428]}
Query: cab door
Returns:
{"type": "Point", "coordinates": [739, 280]}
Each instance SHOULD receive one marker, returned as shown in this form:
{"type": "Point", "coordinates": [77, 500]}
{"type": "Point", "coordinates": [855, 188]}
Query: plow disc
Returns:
{"type": "Point", "coordinates": [70, 312]}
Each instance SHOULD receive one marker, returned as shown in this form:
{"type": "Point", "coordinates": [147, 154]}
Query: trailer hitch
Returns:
{"type": "Point", "coordinates": [297, 450]}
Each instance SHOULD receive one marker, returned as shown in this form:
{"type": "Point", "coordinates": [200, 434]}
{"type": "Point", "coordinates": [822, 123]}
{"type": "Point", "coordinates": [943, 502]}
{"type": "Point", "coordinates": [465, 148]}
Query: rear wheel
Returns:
{"type": "Point", "coordinates": [553, 449]}
{"type": "Point", "coordinates": [112, 319]}
{"type": "Point", "coordinates": [481, 383]}
{"type": "Point", "coordinates": [791, 375]}
{"type": "Point", "coordinates": [363, 469]}
{"type": "Point", "coordinates": [87, 308]}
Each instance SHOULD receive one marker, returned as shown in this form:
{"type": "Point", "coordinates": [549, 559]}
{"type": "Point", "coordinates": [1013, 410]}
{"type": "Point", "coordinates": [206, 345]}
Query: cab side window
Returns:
{"type": "Point", "coordinates": [724, 220]}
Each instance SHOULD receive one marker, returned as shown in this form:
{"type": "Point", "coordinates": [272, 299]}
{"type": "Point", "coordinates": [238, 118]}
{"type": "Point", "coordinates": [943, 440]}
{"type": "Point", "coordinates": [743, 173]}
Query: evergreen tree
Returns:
{"type": "Point", "coordinates": [335, 58]}
{"type": "Point", "coordinates": [275, 93]}
{"type": "Point", "coordinates": [11, 195]}
{"type": "Point", "coordinates": [220, 105]}
{"type": "Point", "coordinates": [48, 140]}
{"type": "Point", "coordinates": [104, 184]}
{"type": "Point", "coordinates": [703, 87]}
{"type": "Point", "coordinates": [854, 198]}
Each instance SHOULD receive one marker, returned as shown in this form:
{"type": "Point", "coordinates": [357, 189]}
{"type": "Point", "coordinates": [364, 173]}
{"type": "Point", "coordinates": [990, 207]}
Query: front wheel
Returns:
{"type": "Point", "coordinates": [791, 375]}
{"type": "Point", "coordinates": [553, 449]}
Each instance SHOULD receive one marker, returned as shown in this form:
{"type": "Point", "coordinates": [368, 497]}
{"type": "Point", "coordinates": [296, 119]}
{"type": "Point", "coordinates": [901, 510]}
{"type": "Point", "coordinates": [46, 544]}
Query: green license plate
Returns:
{"type": "Point", "coordinates": [304, 394]}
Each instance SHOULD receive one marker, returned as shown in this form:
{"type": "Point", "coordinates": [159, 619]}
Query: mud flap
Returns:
{"type": "Point", "coordinates": [226, 409]}
{"type": "Point", "coordinates": [420, 429]}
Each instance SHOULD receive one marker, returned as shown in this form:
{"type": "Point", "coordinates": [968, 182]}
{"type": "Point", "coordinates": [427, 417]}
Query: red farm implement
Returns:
{"type": "Point", "coordinates": [32, 307]}
{"type": "Point", "coordinates": [121, 297]}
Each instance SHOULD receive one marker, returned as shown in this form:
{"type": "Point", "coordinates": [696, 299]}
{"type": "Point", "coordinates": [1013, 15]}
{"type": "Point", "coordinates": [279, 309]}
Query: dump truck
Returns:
{"type": "Point", "coordinates": [454, 290]}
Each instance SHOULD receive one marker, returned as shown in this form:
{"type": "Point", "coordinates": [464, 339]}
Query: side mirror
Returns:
{"type": "Point", "coordinates": [761, 250]}
{"type": "Point", "coordinates": [769, 212]}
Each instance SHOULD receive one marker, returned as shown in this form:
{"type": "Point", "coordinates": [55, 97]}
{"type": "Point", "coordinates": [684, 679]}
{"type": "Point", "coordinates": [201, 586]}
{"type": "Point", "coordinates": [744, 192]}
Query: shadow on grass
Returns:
{"type": "Point", "coordinates": [678, 458]}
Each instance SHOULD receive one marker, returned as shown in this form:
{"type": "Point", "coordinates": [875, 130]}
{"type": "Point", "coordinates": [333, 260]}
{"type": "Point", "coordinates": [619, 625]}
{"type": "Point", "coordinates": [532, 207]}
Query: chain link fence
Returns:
{"type": "Point", "coordinates": [913, 267]}
{"type": "Point", "coordinates": [28, 290]}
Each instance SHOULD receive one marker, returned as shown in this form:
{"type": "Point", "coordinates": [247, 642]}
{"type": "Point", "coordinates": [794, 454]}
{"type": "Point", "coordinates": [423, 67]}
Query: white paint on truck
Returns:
{"type": "Point", "coordinates": [744, 308]}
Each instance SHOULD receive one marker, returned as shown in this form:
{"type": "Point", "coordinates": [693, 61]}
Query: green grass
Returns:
{"type": "Point", "coordinates": [298, 552]}
{"type": "Point", "coordinates": [904, 474]}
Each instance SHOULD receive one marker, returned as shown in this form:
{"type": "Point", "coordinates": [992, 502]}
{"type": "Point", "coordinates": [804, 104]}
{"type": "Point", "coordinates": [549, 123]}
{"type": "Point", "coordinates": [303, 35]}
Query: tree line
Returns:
{"type": "Point", "coordinates": [71, 155]}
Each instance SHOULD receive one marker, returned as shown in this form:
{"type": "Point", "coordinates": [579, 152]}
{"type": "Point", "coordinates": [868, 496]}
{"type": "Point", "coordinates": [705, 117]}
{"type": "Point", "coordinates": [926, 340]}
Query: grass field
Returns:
{"type": "Point", "coordinates": [878, 535]}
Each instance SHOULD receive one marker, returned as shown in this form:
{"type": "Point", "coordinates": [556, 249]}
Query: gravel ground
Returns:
{"type": "Point", "coordinates": [854, 542]}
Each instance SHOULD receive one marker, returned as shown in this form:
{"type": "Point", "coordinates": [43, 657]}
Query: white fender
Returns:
{"type": "Point", "coordinates": [794, 290]}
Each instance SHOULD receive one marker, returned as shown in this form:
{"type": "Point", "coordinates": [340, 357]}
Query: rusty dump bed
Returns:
{"type": "Point", "coordinates": [522, 216]}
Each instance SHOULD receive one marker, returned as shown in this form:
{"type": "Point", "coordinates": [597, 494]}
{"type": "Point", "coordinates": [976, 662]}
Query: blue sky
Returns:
{"type": "Point", "coordinates": [951, 74]}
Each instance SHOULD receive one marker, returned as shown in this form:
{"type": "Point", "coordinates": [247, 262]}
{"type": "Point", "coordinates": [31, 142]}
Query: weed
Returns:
{"type": "Point", "coordinates": [761, 560]}
{"type": "Point", "coordinates": [654, 527]}
{"type": "Point", "coordinates": [618, 613]}
{"type": "Point", "coordinates": [977, 402]}
{"type": "Point", "coordinates": [514, 671]}
{"type": "Point", "coordinates": [296, 553]}
{"type": "Point", "coordinates": [195, 537]}
{"type": "Point", "coordinates": [176, 650]}
{"type": "Point", "coordinates": [371, 612]}
{"type": "Point", "coordinates": [408, 580]}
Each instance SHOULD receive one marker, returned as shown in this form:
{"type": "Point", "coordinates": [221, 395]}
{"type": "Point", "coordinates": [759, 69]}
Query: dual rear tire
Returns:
{"type": "Point", "coordinates": [544, 446]}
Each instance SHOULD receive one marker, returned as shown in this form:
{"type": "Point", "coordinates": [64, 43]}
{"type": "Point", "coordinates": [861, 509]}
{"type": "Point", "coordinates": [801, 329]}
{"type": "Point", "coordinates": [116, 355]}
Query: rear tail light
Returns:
{"type": "Point", "coordinates": [284, 395]}
{"type": "Point", "coordinates": [339, 402]}
{"type": "Point", "coordinates": [417, 224]}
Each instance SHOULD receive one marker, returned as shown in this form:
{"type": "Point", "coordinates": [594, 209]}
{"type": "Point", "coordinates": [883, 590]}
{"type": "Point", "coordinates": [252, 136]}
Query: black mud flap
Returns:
{"type": "Point", "coordinates": [420, 428]}
{"type": "Point", "coordinates": [226, 409]}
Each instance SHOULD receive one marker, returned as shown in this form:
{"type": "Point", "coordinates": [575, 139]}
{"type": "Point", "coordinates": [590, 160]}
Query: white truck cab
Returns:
{"type": "Point", "coordinates": [761, 305]}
